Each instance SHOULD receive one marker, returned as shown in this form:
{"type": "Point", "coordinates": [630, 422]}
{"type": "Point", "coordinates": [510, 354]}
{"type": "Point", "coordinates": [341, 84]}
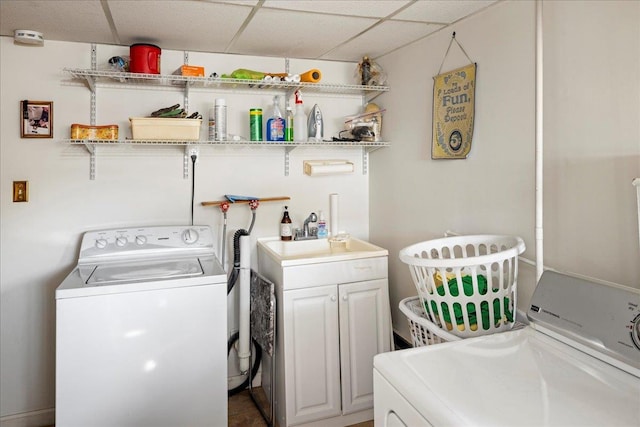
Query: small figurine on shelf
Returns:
{"type": "Point", "coordinates": [370, 73]}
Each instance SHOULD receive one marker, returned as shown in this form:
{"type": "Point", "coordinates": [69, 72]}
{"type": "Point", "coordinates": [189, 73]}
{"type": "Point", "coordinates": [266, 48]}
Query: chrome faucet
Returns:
{"type": "Point", "coordinates": [308, 233]}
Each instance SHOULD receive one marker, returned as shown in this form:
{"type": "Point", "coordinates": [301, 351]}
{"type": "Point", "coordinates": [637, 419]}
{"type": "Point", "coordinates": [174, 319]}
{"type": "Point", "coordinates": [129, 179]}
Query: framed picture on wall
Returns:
{"type": "Point", "coordinates": [36, 119]}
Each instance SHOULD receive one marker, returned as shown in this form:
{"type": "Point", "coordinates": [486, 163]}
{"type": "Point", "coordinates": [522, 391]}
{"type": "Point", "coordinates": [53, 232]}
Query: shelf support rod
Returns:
{"type": "Point", "coordinates": [92, 86]}
{"type": "Point", "coordinates": [186, 85]}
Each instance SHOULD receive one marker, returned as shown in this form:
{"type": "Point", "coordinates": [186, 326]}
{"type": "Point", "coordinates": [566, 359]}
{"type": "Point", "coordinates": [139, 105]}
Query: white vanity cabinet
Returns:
{"type": "Point", "coordinates": [332, 319]}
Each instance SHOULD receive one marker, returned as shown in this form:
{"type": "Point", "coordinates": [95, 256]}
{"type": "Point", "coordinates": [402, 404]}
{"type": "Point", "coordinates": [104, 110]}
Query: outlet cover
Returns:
{"type": "Point", "coordinates": [20, 191]}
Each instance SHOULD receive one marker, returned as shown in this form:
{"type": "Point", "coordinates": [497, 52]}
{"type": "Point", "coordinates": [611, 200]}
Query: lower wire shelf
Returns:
{"type": "Point", "coordinates": [92, 144]}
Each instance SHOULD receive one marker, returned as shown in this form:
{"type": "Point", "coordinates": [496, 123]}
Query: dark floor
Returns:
{"type": "Point", "coordinates": [244, 413]}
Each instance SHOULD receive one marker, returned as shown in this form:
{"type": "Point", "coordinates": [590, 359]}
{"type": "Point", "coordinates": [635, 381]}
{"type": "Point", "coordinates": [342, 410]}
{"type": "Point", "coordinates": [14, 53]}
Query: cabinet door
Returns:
{"type": "Point", "coordinates": [365, 331]}
{"type": "Point", "coordinates": [311, 352]}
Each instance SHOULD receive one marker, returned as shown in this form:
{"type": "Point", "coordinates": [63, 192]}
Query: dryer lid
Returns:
{"type": "Point", "coordinates": [516, 378]}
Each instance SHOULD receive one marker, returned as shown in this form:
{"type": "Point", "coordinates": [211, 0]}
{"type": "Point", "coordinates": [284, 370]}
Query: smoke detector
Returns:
{"type": "Point", "coordinates": [28, 37]}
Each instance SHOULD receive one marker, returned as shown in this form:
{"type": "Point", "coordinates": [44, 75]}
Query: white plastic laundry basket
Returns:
{"type": "Point", "coordinates": [423, 331]}
{"type": "Point", "coordinates": [467, 284]}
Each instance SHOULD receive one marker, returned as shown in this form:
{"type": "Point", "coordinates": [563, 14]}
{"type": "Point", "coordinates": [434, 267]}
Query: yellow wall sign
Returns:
{"type": "Point", "coordinates": [453, 113]}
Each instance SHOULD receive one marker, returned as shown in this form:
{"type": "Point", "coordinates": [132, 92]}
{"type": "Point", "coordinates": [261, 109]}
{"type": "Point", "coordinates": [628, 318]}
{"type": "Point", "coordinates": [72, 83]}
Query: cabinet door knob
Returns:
{"type": "Point", "coordinates": [344, 297]}
{"type": "Point", "coordinates": [333, 298]}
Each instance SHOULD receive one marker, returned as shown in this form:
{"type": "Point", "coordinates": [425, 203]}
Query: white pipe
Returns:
{"type": "Point", "coordinates": [539, 143]}
{"type": "Point", "coordinates": [636, 182]}
{"type": "Point", "coordinates": [244, 341]}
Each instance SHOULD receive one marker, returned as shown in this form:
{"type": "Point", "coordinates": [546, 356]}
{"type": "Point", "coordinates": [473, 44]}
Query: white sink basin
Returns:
{"type": "Point", "coordinates": [296, 252]}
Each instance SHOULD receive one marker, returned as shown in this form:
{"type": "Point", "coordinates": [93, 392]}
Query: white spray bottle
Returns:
{"type": "Point", "coordinates": [299, 120]}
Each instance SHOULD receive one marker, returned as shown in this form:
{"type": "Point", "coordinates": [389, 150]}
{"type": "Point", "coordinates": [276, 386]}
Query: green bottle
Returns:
{"type": "Point", "coordinates": [288, 124]}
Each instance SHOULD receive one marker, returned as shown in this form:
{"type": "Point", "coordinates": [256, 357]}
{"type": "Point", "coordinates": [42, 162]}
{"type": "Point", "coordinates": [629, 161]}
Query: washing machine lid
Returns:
{"type": "Point", "coordinates": [126, 272]}
{"type": "Point", "coordinates": [515, 378]}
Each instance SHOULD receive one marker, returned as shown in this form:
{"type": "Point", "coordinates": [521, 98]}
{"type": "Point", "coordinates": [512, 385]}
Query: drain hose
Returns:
{"type": "Point", "coordinates": [232, 279]}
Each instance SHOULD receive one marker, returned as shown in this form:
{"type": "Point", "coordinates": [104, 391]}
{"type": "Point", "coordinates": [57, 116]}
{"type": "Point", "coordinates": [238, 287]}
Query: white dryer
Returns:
{"type": "Point", "coordinates": [141, 329]}
{"type": "Point", "coordinates": [576, 364]}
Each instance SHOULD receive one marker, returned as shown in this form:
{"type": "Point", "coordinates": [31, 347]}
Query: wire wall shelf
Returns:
{"type": "Point", "coordinates": [92, 144]}
{"type": "Point", "coordinates": [94, 77]}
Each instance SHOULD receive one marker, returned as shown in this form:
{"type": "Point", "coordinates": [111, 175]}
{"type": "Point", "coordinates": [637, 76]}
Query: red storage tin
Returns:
{"type": "Point", "coordinates": [145, 58]}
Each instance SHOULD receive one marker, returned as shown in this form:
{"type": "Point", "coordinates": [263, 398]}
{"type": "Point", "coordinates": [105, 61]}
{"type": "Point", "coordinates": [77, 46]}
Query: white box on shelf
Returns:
{"type": "Point", "coordinates": [156, 128]}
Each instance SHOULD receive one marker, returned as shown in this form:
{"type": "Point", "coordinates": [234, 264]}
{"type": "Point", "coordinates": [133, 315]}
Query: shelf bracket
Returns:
{"type": "Point", "coordinates": [91, 148]}
{"type": "Point", "coordinates": [365, 161]}
{"type": "Point", "coordinates": [287, 150]}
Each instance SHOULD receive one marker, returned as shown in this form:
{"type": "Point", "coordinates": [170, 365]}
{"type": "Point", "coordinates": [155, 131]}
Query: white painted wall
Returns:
{"type": "Point", "coordinates": [591, 137]}
{"type": "Point", "coordinates": [592, 152]}
{"type": "Point", "coordinates": [138, 185]}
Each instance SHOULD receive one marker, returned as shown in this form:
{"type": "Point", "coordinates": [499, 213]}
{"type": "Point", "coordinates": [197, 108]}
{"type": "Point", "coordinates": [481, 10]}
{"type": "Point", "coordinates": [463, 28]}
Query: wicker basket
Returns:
{"type": "Point", "coordinates": [423, 331]}
{"type": "Point", "coordinates": [467, 283]}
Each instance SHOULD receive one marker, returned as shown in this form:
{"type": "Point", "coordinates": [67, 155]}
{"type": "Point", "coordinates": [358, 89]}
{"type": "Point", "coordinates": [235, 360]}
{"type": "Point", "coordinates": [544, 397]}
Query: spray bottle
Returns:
{"type": "Point", "coordinates": [275, 125]}
{"type": "Point", "coordinates": [299, 120]}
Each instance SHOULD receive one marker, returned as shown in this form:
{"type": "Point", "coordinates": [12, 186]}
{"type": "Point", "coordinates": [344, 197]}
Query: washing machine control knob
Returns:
{"type": "Point", "coordinates": [121, 241]}
{"type": "Point", "coordinates": [101, 243]}
{"type": "Point", "coordinates": [190, 236]}
{"type": "Point", "coordinates": [141, 240]}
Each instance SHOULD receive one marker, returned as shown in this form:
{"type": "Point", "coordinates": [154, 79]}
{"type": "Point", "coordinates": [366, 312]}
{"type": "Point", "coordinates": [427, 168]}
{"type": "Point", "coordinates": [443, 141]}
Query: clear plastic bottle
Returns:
{"type": "Point", "coordinates": [276, 124]}
{"type": "Point", "coordinates": [212, 124]}
{"type": "Point", "coordinates": [323, 233]}
{"type": "Point", "coordinates": [299, 120]}
{"type": "Point", "coordinates": [220, 113]}
{"type": "Point", "coordinates": [288, 124]}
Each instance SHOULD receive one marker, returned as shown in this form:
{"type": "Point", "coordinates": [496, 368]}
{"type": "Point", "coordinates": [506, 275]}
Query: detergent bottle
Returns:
{"type": "Point", "coordinates": [299, 120]}
{"type": "Point", "coordinates": [275, 124]}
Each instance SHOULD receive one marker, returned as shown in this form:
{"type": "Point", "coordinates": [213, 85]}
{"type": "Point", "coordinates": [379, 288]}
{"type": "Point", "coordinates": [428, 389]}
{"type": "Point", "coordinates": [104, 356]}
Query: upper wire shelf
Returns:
{"type": "Point", "coordinates": [132, 79]}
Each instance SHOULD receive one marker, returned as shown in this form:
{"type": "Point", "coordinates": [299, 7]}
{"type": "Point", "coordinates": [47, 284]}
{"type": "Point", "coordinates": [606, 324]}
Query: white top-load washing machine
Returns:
{"type": "Point", "coordinates": [576, 364]}
{"type": "Point", "coordinates": [141, 331]}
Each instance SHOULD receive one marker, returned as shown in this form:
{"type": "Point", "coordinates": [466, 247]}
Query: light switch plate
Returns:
{"type": "Point", "coordinates": [20, 191]}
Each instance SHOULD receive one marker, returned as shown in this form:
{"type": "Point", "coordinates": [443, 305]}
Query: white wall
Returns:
{"type": "Point", "coordinates": [139, 185]}
{"type": "Point", "coordinates": [592, 142]}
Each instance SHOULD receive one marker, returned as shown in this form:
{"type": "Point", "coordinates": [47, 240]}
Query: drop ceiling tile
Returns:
{"type": "Point", "coordinates": [70, 20]}
{"type": "Point", "coordinates": [442, 11]}
{"type": "Point", "coordinates": [365, 8]}
{"type": "Point", "coordinates": [179, 25]}
{"type": "Point", "coordinates": [377, 41]}
{"type": "Point", "coordinates": [305, 35]}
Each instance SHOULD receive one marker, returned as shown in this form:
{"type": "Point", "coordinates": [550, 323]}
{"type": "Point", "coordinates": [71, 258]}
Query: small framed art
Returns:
{"type": "Point", "coordinates": [36, 119]}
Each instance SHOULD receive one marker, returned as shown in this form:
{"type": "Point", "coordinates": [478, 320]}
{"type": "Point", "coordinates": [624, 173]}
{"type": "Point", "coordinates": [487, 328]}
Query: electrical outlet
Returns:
{"type": "Point", "coordinates": [20, 191]}
{"type": "Point", "coordinates": [192, 151]}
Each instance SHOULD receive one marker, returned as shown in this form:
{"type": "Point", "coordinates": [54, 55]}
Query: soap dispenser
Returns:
{"type": "Point", "coordinates": [323, 233]}
{"type": "Point", "coordinates": [315, 127]}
